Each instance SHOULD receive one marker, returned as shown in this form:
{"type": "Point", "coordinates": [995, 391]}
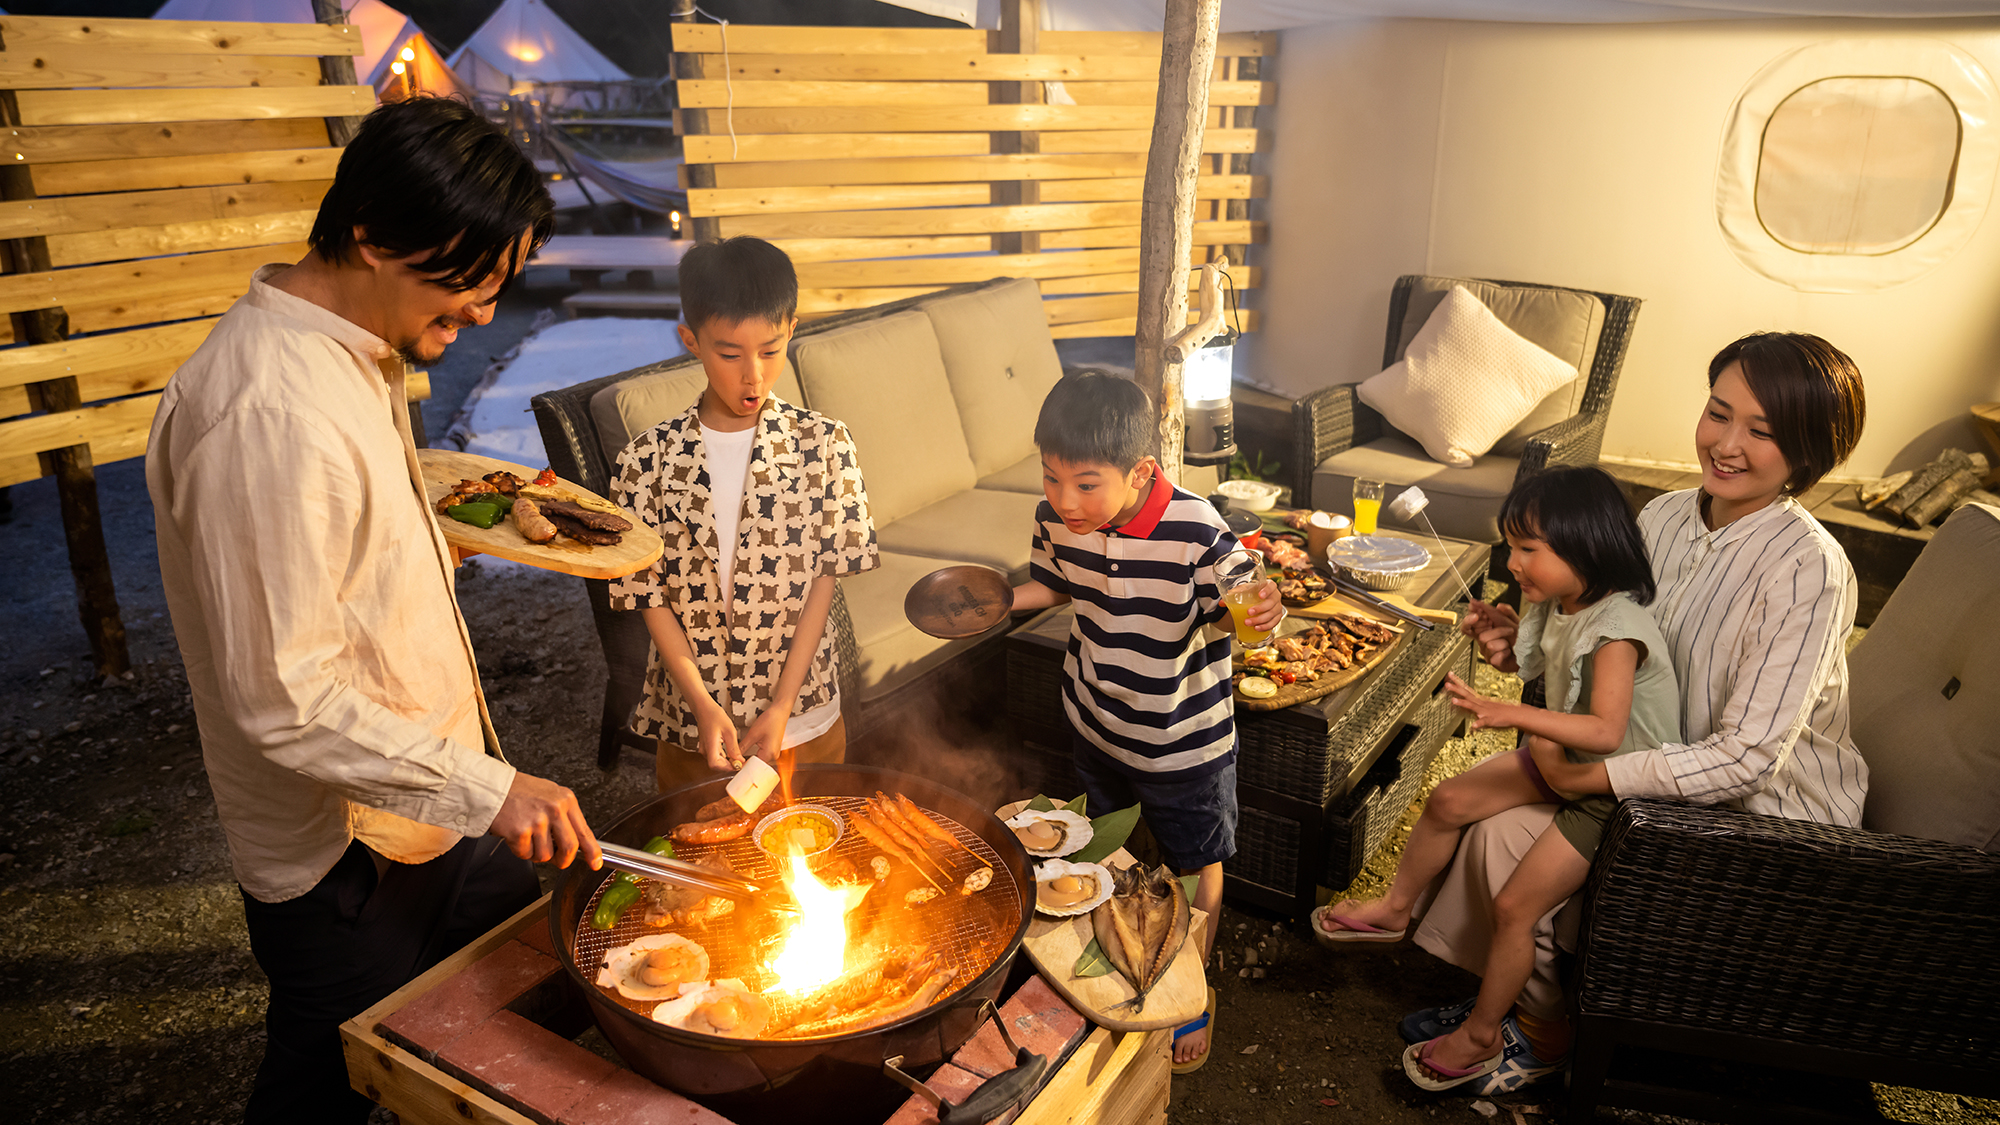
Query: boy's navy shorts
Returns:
{"type": "Point", "coordinates": [1194, 821]}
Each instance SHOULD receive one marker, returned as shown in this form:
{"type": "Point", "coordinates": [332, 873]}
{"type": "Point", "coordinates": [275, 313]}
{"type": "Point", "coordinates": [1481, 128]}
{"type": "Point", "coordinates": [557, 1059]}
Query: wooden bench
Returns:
{"type": "Point", "coordinates": [645, 301]}
{"type": "Point", "coordinates": [148, 167]}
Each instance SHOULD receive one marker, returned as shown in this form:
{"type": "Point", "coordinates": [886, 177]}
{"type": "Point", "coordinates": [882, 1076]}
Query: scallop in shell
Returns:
{"type": "Point", "coordinates": [1052, 897]}
{"type": "Point", "coordinates": [653, 967]}
{"type": "Point", "coordinates": [1054, 833]}
{"type": "Point", "coordinates": [722, 1007]}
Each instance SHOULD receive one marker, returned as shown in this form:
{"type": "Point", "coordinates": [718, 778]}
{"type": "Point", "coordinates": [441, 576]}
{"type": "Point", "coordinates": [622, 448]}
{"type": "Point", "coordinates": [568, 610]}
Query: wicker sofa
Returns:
{"type": "Point", "coordinates": [1860, 953]}
{"type": "Point", "coordinates": [1336, 437]}
{"type": "Point", "coordinates": [940, 393]}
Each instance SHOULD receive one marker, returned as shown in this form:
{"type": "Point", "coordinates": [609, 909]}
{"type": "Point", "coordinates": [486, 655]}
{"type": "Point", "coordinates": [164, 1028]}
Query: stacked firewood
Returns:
{"type": "Point", "coordinates": [1917, 497]}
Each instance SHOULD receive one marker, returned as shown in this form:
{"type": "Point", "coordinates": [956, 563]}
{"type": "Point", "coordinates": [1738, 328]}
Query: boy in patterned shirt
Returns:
{"type": "Point", "coordinates": [1146, 682]}
{"type": "Point", "coordinates": [761, 505]}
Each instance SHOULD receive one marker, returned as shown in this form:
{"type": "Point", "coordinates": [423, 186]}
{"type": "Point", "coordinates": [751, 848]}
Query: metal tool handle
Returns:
{"type": "Point", "coordinates": [675, 871]}
{"type": "Point", "coordinates": [1354, 589]}
{"type": "Point", "coordinates": [990, 1098]}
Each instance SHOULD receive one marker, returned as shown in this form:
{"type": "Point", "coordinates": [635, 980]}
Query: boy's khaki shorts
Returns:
{"type": "Point", "coordinates": [676, 766]}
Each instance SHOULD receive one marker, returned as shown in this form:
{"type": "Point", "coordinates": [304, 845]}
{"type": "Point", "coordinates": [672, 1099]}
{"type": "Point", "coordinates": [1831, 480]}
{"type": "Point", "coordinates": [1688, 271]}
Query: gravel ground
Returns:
{"type": "Point", "coordinates": [127, 990]}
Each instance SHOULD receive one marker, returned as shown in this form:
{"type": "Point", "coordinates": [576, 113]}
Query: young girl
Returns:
{"type": "Point", "coordinates": [1576, 551]}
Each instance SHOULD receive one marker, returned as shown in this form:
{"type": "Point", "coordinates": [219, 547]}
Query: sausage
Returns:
{"type": "Point", "coordinates": [721, 830]}
{"type": "Point", "coordinates": [725, 805]}
{"type": "Point", "coordinates": [534, 526]}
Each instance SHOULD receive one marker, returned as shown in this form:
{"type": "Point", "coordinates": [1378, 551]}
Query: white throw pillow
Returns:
{"type": "Point", "coordinates": [1464, 382]}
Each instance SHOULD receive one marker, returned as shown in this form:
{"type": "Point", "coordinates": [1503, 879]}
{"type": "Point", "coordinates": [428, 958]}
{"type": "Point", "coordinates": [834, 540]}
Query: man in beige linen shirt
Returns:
{"type": "Point", "coordinates": [354, 766]}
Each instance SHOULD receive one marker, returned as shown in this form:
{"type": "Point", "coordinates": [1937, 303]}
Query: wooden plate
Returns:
{"type": "Point", "coordinates": [1054, 944]}
{"type": "Point", "coordinates": [1290, 694]}
{"type": "Point", "coordinates": [444, 468]}
{"type": "Point", "coordinates": [959, 601]}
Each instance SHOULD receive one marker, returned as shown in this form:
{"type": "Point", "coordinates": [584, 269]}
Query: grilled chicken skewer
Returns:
{"type": "Point", "coordinates": [881, 840]}
{"type": "Point", "coordinates": [926, 827]}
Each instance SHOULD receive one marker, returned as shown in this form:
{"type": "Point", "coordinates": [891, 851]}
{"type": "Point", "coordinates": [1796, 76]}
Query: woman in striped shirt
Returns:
{"type": "Point", "coordinates": [1756, 601]}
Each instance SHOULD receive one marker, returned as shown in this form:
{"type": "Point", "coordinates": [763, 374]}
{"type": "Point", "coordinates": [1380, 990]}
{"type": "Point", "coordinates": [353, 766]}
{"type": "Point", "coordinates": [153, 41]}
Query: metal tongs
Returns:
{"type": "Point", "coordinates": [675, 871]}
{"type": "Point", "coordinates": [1362, 593]}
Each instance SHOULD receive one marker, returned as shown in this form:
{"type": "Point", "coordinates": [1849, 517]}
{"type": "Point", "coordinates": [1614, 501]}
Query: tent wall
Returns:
{"type": "Point", "coordinates": [1586, 156]}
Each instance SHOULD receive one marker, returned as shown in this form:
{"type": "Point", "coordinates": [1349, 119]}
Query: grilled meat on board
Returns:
{"type": "Point", "coordinates": [588, 517]}
{"type": "Point", "coordinates": [576, 529]}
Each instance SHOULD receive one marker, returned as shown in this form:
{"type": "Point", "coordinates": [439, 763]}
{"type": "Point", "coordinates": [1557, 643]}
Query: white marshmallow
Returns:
{"type": "Point", "coordinates": [1404, 508]}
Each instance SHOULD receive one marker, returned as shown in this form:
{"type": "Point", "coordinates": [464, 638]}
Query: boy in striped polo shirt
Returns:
{"type": "Point", "coordinates": [1147, 676]}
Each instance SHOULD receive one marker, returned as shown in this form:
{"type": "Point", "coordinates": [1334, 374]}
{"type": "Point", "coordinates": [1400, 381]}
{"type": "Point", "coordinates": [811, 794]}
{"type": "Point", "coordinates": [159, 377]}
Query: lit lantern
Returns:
{"type": "Point", "coordinates": [1210, 437]}
{"type": "Point", "coordinates": [409, 54]}
{"type": "Point", "coordinates": [396, 67]}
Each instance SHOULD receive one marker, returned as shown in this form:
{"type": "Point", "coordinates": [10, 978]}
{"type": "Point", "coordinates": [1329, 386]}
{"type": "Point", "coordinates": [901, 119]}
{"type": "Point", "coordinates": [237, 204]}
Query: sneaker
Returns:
{"type": "Point", "coordinates": [1433, 1022]}
{"type": "Point", "coordinates": [1518, 1065]}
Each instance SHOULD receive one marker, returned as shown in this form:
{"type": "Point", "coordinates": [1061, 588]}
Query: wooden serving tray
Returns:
{"type": "Point", "coordinates": [1292, 694]}
{"type": "Point", "coordinates": [1054, 944]}
{"type": "Point", "coordinates": [443, 468]}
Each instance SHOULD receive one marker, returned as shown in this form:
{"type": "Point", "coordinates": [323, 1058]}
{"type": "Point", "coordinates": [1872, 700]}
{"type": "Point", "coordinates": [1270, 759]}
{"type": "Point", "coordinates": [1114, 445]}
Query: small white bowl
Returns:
{"type": "Point", "coordinates": [1055, 869]}
{"type": "Point", "coordinates": [1076, 830]}
{"type": "Point", "coordinates": [1250, 495]}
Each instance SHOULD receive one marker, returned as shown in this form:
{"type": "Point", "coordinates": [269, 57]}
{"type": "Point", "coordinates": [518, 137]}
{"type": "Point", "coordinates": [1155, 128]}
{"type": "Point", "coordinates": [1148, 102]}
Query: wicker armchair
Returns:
{"type": "Point", "coordinates": [1850, 952]}
{"type": "Point", "coordinates": [1334, 420]}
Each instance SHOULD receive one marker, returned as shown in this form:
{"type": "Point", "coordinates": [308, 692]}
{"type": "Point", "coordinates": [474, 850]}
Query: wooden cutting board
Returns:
{"type": "Point", "coordinates": [1054, 944]}
{"type": "Point", "coordinates": [444, 468]}
{"type": "Point", "coordinates": [1291, 694]}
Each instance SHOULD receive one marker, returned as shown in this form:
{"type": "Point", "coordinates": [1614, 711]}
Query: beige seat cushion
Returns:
{"type": "Point", "coordinates": [990, 528]}
{"type": "Point", "coordinates": [1466, 380]}
{"type": "Point", "coordinates": [885, 378]}
{"type": "Point", "coordinates": [1024, 475]}
{"type": "Point", "coordinates": [1002, 362]}
{"type": "Point", "coordinates": [1563, 322]}
{"type": "Point", "coordinates": [1464, 503]}
{"type": "Point", "coordinates": [1925, 691]}
{"type": "Point", "coordinates": [629, 407]}
{"type": "Point", "coordinates": [892, 651]}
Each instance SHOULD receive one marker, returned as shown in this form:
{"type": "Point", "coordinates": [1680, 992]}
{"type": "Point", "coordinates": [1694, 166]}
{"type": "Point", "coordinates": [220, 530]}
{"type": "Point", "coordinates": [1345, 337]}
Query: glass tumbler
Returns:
{"type": "Point", "coordinates": [1239, 574]}
{"type": "Point", "coordinates": [1367, 505]}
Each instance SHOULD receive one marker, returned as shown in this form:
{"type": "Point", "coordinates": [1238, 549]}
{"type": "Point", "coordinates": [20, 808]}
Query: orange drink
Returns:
{"type": "Point", "coordinates": [1241, 601]}
{"type": "Point", "coordinates": [1367, 505]}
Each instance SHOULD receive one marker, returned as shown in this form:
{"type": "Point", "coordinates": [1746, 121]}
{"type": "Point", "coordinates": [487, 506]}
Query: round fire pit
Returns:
{"type": "Point", "coordinates": [841, 1076]}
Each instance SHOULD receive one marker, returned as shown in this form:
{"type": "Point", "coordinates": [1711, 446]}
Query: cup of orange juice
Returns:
{"type": "Point", "coordinates": [1367, 505]}
{"type": "Point", "coordinates": [1240, 574]}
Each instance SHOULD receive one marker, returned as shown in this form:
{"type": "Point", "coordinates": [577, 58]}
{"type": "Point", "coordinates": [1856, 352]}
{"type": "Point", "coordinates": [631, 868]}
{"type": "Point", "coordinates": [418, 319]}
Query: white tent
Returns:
{"type": "Point", "coordinates": [523, 41]}
{"type": "Point", "coordinates": [1276, 15]}
{"type": "Point", "coordinates": [381, 26]}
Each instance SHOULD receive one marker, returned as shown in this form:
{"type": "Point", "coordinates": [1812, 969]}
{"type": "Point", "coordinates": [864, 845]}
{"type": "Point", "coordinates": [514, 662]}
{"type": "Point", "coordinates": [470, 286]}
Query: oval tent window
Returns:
{"type": "Point", "coordinates": [1856, 165]}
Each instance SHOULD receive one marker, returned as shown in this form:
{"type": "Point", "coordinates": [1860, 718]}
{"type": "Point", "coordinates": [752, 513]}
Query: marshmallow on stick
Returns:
{"type": "Point", "coordinates": [1406, 508]}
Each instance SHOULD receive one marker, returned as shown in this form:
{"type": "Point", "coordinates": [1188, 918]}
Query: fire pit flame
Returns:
{"type": "Point", "coordinates": [815, 952]}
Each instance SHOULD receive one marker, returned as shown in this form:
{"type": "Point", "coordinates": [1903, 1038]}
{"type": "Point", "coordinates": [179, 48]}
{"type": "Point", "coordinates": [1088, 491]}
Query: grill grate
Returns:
{"type": "Point", "coordinates": [968, 932]}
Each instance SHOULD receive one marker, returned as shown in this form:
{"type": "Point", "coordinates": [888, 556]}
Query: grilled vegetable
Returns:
{"type": "Point", "coordinates": [481, 515]}
{"type": "Point", "coordinates": [624, 889]}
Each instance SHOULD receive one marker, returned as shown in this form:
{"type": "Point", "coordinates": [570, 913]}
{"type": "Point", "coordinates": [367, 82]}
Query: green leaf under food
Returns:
{"type": "Point", "coordinates": [1108, 833]}
{"type": "Point", "coordinates": [1188, 883]}
{"type": "Point", "coordinates": [1093, 963]}
{"type": "Point", "coordinates": [1041, 804]}
{"type": "Point", "coordinates": [1077, 806]}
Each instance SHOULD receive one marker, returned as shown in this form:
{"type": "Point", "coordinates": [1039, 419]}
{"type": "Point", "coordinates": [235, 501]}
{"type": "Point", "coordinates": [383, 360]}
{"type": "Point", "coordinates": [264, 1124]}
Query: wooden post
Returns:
{"type": "Point", "coordinates": [695, 123]}
{"type": "Point", "coordinates": [75, 472]}
{"type": "Point", "coordinates": [1020, 34]}
{"type": "Point", "coordinates": [1166, 219]}
{"type": "Point", "coordinates": [336, 70]}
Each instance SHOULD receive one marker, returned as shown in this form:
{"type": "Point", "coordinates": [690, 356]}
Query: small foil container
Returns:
{"type": "Point", "coordinates": [817, 812]}
{"type": "Point", "coordinates": [1055, 869]}
{"type": "Point", "coordinates": [1379, 562]}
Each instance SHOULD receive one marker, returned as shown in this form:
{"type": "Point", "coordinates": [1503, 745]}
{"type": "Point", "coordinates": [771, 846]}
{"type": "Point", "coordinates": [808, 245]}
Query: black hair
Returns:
{"type": "Point", "coordinates": [1097, 418]}
{"type": "Point", "coordinates": [737, 279]}
{"type": "Point", "coordinates": [1584, 517]}
{"type": "Point", "coordinates": [1811, 394]}
{"type": "Point", "coordinates": [428, 174]}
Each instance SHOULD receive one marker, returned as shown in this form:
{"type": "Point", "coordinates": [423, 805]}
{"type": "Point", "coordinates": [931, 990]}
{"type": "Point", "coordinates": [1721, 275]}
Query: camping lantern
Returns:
{"type": "Point", "coordinates": [1210, 437]}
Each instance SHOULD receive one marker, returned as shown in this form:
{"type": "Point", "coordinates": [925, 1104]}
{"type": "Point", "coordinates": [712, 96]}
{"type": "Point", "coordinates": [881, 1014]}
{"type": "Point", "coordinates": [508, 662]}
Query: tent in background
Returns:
{"type": "Point", "coordinates": [412, 66]}
{"type": "Point", "coordinates": [380, 25]}
{"type": "Point", "coordinates": [523, 41]}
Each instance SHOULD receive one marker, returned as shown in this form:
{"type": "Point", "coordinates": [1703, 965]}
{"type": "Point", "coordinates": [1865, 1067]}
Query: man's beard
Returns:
{"type": "Point", "coordinates": [408, 349]}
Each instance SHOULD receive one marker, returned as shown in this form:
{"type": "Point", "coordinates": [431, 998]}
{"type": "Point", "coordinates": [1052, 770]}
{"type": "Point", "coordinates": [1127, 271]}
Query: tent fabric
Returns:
{"type": "Point", "coordinates": [380, 25]}
{"type": "Point", "coordinates": [426, 73]}
{"type": "Point", "coordinates": [1277, 15]}
{"type": "Point", "coordinates": [524, 41]}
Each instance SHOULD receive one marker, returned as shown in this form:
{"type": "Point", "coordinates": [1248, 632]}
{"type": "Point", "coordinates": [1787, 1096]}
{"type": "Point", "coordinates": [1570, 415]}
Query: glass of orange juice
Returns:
{"type": "Point", "coordinates": [1367, 505]}
{"type": "Point", "coordinates": [1240, 574]}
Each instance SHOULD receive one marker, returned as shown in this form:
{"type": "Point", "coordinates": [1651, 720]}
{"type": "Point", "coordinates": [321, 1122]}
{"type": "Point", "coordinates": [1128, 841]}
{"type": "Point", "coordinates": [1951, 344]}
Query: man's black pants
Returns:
{"type": "Point", "coordinates": [353, 939]}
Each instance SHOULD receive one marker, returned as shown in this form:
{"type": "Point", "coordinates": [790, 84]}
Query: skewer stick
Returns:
{"type": "Point", "coordinates": [887, 822]}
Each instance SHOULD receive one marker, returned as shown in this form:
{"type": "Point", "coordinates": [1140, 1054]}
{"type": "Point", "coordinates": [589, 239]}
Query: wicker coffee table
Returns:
{"type": "Point", "coordinates": [1320, 784]}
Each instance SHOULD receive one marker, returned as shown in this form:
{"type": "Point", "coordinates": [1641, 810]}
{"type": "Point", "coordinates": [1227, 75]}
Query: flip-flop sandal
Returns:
{"type": "Point", "coordinates": [1351, 932]}
{"type": "Point", "coordinates": [1417, 1064]}
{"type": "Point", "coordinates": [1207, 1020]}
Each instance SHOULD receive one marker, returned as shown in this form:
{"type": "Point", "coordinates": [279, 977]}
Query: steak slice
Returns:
{"type": "Point", "coordinates": [602, 521]}
{"type": "Point", "coordinates": [575, 529]}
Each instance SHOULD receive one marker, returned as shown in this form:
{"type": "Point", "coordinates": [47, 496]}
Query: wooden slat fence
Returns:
{"type": "Point", "coordinates": [147, 167]}
{"type": "Point", "coordinates": [895, 162]}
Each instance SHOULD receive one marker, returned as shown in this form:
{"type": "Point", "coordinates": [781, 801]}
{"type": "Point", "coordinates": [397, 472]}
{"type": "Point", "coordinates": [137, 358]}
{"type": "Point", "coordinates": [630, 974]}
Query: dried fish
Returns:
{"type": "Point", "coordinates": [1142, 927]}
